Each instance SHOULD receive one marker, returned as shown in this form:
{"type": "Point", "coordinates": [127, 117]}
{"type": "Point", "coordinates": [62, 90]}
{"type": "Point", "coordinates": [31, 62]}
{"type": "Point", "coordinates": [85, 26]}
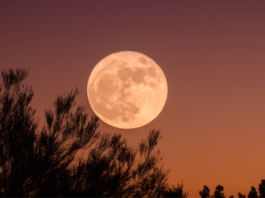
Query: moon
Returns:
{"type": "Point", "coordinates": [127, 89]}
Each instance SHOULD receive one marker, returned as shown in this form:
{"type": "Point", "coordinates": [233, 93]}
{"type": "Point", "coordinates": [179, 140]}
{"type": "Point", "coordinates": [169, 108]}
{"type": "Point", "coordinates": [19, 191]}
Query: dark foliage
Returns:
{"type": "Point", "coordinates": [205, 193]}
{"type": "Point", "coordinates": [218, 192]}
{"type": "Point", "coordinates": [31, 163]}
{"type": "Point", "coordinates": [112, 164]}
{"type": "Point", "coordinates": [40, 163]}
{"type": "Point", "coordinates": [17, 134]}
{"type": "Point", "coordinates": [262, 188]}
{"type": "Point", "coordinates": [176, 191]}
{"type": "Point", "coordinates": [253, 193]}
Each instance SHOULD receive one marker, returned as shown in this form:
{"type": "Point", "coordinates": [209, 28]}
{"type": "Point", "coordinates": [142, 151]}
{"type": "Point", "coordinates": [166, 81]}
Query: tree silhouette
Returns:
{"type": "Point", "coordinates": [253, 192]}
{"type": "Point", "coordinates": [205, 193]}
{"type": "Point", "coordinates": [34, 163]}
{"type": "Point", "coordinates": [176, 191]}
{"type": "Point", "coordinates": [262, 188]}
{"type": "Point", "coordinates": [241, 196]}
{"type": "Point", "coordinates": [113, 165]}
{"type": "Point", "coordinates": [218, 192]}
{"type": "Point", "coordinates": [40, 163]}
{"type": "Point", "coordinates": [17, 133]}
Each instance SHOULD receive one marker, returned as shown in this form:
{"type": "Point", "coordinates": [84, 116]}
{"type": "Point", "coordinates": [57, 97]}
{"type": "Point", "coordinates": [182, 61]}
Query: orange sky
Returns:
{"type": "Point", "coordinates": [212, 54]}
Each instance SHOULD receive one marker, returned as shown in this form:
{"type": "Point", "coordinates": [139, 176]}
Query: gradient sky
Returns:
{"type": "Point", "coordinates": [211, 52]}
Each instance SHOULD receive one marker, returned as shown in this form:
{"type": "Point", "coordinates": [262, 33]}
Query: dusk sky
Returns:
{"type": "Point", "coordinates": [211, 52]}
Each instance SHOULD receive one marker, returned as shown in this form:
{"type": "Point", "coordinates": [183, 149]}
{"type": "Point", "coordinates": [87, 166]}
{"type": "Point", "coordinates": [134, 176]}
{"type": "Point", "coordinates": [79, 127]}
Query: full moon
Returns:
{"type": "Point", "coordinates": [127, 89]}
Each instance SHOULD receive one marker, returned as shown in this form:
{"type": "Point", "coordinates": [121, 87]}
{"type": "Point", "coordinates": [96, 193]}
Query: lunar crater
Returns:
{"type": "Point", "coordinates": [142, 61]}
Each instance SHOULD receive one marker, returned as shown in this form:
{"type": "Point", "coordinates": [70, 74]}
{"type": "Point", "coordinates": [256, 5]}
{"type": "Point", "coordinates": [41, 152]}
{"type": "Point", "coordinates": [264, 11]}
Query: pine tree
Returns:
{"type": "Point", "coordinates": [40, 163]}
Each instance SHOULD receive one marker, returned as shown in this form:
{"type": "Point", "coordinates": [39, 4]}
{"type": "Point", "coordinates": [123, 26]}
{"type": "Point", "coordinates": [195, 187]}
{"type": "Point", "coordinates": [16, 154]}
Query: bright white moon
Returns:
{"type": "Point", "coordinates": [127, 89]}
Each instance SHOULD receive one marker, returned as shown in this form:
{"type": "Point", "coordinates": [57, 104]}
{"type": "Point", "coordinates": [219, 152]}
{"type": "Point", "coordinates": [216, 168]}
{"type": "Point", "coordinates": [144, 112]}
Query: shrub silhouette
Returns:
{"type": "Point", "coordinates": [241, 196]}
{"type": "Point", "coordinates": [253, 193]}
{"type": "Point", "coordinates": [115, 172]}
{"type": "Point", "coordinates": [262, 188]}
{"type": "Point", "coordinates": [218, 192]}
{"type": "Point", "coordinates": [40, 163]}
{"type": "Point", "coordinates": [176, 191]}
{"type": "Point", "coordinates": [205, 193]}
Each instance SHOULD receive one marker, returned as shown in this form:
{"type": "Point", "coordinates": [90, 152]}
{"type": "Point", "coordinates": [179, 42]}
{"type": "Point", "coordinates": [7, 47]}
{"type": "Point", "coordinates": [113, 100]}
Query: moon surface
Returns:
{"type": "Point", "coordinates": [127, 89]}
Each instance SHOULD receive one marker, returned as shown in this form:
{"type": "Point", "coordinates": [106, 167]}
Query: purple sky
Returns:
{"type": "Point", "coordinates": [211, 52]}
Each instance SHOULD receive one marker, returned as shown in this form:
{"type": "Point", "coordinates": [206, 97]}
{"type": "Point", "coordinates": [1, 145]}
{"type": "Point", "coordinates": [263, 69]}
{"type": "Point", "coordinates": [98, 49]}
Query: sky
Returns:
{"type": "Point", "coordinates": [211, 52]}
